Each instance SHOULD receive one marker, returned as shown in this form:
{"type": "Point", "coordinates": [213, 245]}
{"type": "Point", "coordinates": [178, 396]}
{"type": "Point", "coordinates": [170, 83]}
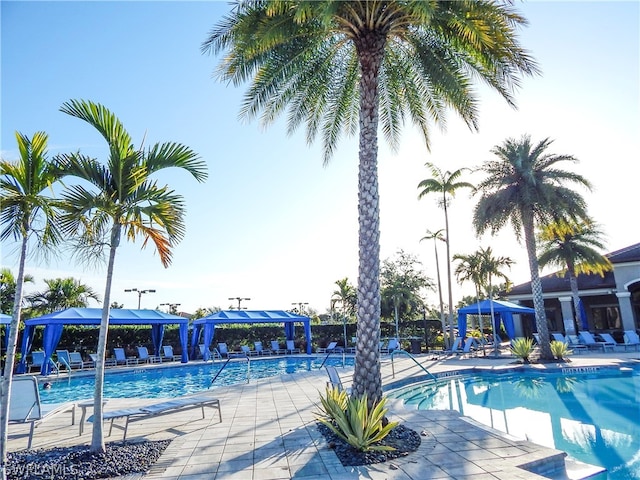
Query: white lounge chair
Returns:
{"type": "Point", "coordinates": [122, 359]}
{"type": "Point", "coordinates": [334, 379]}
{"type": "Point", "coordinates": [167, 354]}
{"type": "Point", "coordinates": [37, 360]}
{"type": "Point", "coordinates": [222, 349]}
{"type": "Point", "coordinates": [247, 351]}
{"type": "Point", "coordinates": [291, 348]}
{"type": "Point", "coordinates": [275, 348]}
{"type": "Point", "coordinates": [260, 350]}
{"type": "Point", "coordinates": [64, 360]}
{"type": "Point", "coordinates": [574, 343]}
{"type": "Point", "coordinates": [589, 340]}
{"type": "Point", "coordinates": [25, 406]}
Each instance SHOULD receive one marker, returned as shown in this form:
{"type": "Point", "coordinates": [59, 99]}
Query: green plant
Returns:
{"type": "Point", "coordinates": [522, 348]}
{"type": "Point", "coordinates": [353, 421]}
{"type": "Point", "coordinates": [560, 350]}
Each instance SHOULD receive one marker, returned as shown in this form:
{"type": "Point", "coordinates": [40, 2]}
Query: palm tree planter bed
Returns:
{"type": "Point", "coordinates": [403, 439]}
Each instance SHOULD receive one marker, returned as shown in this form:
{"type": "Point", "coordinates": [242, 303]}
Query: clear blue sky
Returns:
{"type": "Point", "coordinates": [272, 223]}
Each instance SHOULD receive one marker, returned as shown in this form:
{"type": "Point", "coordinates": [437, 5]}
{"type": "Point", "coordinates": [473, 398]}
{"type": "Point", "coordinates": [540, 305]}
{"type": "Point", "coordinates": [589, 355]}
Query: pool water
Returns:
{"type": "Point", "coordinates": [594, 417]}
{"type": "Point", "coordinates": [173, 380]}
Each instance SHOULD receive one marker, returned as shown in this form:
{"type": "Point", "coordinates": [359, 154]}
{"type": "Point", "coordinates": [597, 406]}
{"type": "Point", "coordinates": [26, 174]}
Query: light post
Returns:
{"type": "Point", "coordinates": [239, 299]}
{"type": "Point", "coordinates": [172, 307]}
{"type": "Point", "coordinates": [300, 306]}
{"type": "Point", "coordinates": [140, 292]}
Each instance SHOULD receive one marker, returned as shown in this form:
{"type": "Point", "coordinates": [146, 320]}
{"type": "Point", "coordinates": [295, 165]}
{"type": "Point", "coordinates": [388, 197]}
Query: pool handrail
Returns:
{"type": "Point", "coordinates": [393, 371]}
{"type": "Point", "coordinates": [335, 350]}
{"type": "Point", "coordinates": [227, 362]}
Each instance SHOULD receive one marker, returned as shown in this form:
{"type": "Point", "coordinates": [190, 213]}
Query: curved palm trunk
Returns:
{"type": "Point", "coordinates": [493, 321]}
{"type": "Point", "coordinates": [97, 436]}
{"type": "Point", "coordinates": [536, 285]}
{"type": "Point", "coordinates": [578, 320]}
{"type": "Point", "coordinates": [442, 320]}
{"type": "Point", "coordinates": [480, 324]}
{"type": "Point", "coordinates": [366, 377]}
{"type": "Point", "coordinates": [7, 376]}
{"type": "Point", "coordinates": [446, 226]}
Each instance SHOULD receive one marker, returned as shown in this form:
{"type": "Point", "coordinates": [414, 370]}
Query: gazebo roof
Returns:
{"type": "Point", "coordinates": [117, 316]}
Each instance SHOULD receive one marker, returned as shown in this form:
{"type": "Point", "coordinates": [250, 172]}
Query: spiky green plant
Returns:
{"type": "Point", "coordinates": [560, 350]}
{"type": "Point", "coordinates": [522, 348]}
{"type": "Point", "coordinates": [352, 420]}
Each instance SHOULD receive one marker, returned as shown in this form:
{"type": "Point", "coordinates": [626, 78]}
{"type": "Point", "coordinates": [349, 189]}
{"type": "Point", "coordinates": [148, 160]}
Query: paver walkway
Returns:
{"type": "Point", "coordinates": [269, 432]}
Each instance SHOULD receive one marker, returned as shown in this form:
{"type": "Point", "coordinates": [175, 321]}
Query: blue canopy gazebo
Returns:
{"type": "Point", "coordinates": [207, 325]}
{"type": "Point", "coordinates": [54, 323]}
{"type": "Point", "coordinates": [502, 312]}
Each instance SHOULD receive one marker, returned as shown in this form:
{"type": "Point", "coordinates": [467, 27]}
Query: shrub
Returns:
{"type": "Point", "coordinates": [352, 421]}
{"type": "Point", "coordinates": [522, 348]}
{"type": "Point", "coordinates": [560, 350]}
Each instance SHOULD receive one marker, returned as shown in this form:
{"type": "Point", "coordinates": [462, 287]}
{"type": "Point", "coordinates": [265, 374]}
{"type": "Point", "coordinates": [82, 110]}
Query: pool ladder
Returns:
{"type": "Point", "coordinates": [393, 370]}
{"type": "Point", "coordinates": [227, 362]}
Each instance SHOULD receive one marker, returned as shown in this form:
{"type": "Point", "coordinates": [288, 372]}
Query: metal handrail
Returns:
{"type": "Point", "coordinates": [393, 371]}
{"type": "Point", "coordinates": [343, 351]}
{"type": "Point", "coordinates": [226, 363]}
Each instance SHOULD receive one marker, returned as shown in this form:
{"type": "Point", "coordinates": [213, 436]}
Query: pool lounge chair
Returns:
{"type": "Point", "coordinates": [122, 359]}
{"type": "Point", "coordinates": [222, 349]}
{"type": "Point", "coordinates": [609, 340]}
{"type": "Point", "coordinates": [260, 350]}
{"type": "Point", "coordinates": [64, 360]}
{"type": "Point", "coordinates": [175, 405]}
{"type": "Point", "coordinates": [455, 348]}
{"type": "Point", "coordinates": [247, 351]}
{"type": "Point", "coordinates": [631, 338]}
{"type": "Point", "coordinates": [144, 357]}
{"type": "Point", "coordinates": [167, 354]}
{"type": "Point", "coordinates": [558, 337]}
{"type": "Point", "coordinates": [393, 344]}
{"type": "Point", "coordinates": [589, 340]}
{"type": "Point", "coordinates": [574, 343]}
{"type": "Point", "coordinates": [37, 359]}
{"type": "Point", "coordinates": [334, 379]}
{"type": "Point", "coordinates": [25, 406]}
{"type": "Point", "coordinates": [468, 347]}
{"type": "Point", "coordinates": [291, 348]}
{"type": "Point", "coordinates": [275, 348]}
{"type": "Point", "coordinates": [331, 348]}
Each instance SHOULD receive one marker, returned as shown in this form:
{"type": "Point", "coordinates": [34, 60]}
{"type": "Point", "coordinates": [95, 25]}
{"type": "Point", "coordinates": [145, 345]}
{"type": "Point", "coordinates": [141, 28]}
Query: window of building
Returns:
{"type": "Point", "coordinates": [606, 318]}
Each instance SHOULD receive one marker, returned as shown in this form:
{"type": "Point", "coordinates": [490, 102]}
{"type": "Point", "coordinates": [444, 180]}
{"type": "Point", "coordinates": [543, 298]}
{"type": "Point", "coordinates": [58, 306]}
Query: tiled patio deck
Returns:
{"type": "Point", "coordinates": [268, 432]}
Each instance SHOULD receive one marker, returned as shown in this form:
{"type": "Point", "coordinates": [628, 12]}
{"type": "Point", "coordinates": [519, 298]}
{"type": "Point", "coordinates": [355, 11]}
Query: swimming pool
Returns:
{"type": "Point", "coordinates": [593, 414]}
{"type": "Point", "coordinates": [176, 380]}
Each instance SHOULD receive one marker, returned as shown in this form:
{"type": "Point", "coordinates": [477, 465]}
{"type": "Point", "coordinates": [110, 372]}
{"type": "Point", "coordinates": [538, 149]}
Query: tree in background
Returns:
{"type": "Point", "coordinates": [8, 286]}
{"type": "Point", "coordinates": [403, 283]}
{"type": "Point", "coordinates": [491, 267]}
{"type": "Point", "coordinates": [468, 270]}
{"type": "Point", "coordinates": [347, 298]}
{"type": "Point", "coordinates": [445, 184]}
{"type": "Point", "coordinates": [348, 66]}
{"type": "Point", "coordinates": [27, 214]}
{"type": "Point", "coordinates": [572, 246]}
{"type": "Point", "coordinates": [61, 293]}
{"type": "Point", "coordinates": [525, 187]}
{"type": "Point", "coordinates": [121, 199]}
{"type": "Point", "coordinates": [435, 236]}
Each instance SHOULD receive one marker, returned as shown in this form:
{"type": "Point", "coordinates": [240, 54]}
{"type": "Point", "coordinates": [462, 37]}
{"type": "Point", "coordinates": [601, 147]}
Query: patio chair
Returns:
{"type": "Point", "coordinates": [631, 338]}
{"type": "Point", "coordinates": [206, 354]}
{"type": "Point", "coordinates": [558, 337]}
{"type": "Point", "coordinates": [37, 360]}
{"type": "Point", "coordinates": [468, 347]}
{"type": "Point", "coordinates": [108, 362]}
{"type": "Point", "coordinates": [455, 348]}
{"type": "Point", "coordinates": [167, 354]}
{"type": "Point", "coordinates": [144, 357]}
{"type": "Point", "coordinates": [331, 348]}
{"type": "Point", "coordinates": [64, 358]}
{"type": "Point", "coordinates": [574, 343]}
{"type": "Point", "coordinates": [25, 406]}
{"type": "Point", "coordinates": [393, 344]}
{"type": "Point", "coordinates": [589, 340]}
{"type": "Point", "coordinates": [275, 348]}
{"type": "Point", "coordinates": [609, 340]}
{"type": "Point", "coordinates": [334, 379]}
{"type": "Point", "coordinates": [247, 351]}
{"type": "Point", "coordinates": [222, 349]}
{"type": "Point", "coordinates": [260, 350]}
{"type": "Point", "coordinates": [122, 359]}
{"type": "Point", "coordinates": [291, 348]}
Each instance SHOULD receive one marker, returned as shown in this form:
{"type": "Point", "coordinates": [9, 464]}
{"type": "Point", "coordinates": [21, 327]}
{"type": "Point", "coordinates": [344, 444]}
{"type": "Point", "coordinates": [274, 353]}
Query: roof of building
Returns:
{"type": "Point", "coordinates": [560, 283]}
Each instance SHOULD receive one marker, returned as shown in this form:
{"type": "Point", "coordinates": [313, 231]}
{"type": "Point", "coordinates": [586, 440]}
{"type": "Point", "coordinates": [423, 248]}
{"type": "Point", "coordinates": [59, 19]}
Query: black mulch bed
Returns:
{"type": "Point", "coordinates": [78, 463]}
{"type": "Point", "coordinates": [403, 439]}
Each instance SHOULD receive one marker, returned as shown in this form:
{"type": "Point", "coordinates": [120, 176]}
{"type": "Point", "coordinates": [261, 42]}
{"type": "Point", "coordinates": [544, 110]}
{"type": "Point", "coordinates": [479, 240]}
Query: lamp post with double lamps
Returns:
{"type": "Point", "coordinates": [300, 306]}
{"type": "Point", "coordinates": [239, 299]}
{"type": "Point", "coordinates": [172, 307]}
{"type": "Point", "coordinates": [140, 292]}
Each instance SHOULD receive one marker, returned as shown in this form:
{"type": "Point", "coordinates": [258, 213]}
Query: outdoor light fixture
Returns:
{"type": "Point", "coordinates": [140, 292]}
{"type": "Point", "coordinates": [239, 299]}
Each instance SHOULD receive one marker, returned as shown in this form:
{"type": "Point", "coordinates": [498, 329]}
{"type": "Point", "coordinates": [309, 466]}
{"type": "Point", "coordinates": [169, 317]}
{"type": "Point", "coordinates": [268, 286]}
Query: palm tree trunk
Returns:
{"type": "Point", "coordinates": [480, 324]}
{"type": "Point", "coordinates": [7, 374]}
{"type": "Point", "coordinates": [442, 320]}
{"type": "Point", "coordinates": [446, 226]}
{"type": "Point", "coordinates": [367, 377]}
{"type": "Point", "coordinates": [573, 282]}
{"type": "Point", "coordinates": [536, 285]}
{"type": "Point", "coordinates": [97, 437]}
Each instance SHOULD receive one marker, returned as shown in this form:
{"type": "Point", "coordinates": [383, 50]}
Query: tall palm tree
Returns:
{"type": "Point", "coordinates": [345, 66]}
{"type": "Point", "coordinates": [61, 293]}
{"type": "Point", "coordinates": [27, 212]}
{"type": "Point", "coordinates": [572, 246]}
{"type": "Point", "coordinates": [345, 296]}
{"type": "Point", "coordinates": [435, 236]}
{"type": "Point", "coordinates": [468, 269]}
{"type": "Point", "coordinates": [120, 199]}
{"type": "Point", "coordinates": [524, 187]}
{"type": "Point", "coordinates": [491, 267]}
{"type": "Point", "coordinates": [445, 184]}
{"type": "Point", "coordinates": [8, 286]}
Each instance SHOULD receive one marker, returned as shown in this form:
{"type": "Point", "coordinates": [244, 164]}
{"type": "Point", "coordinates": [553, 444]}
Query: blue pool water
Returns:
{"type": "Point", "coordinates": [173, 381]}
{"type": "Point", "coordinates": [592, 414]}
